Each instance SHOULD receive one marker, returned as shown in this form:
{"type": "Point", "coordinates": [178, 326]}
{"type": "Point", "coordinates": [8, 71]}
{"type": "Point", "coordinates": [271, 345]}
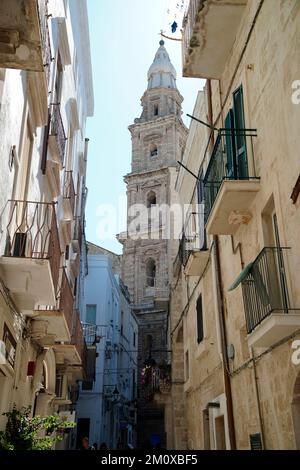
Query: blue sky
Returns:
{"type": "Point", "coordinates": [124, 40]}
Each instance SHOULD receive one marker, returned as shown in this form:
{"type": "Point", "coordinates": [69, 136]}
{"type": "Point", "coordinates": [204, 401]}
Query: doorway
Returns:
{"type": "Point", "coordinates": [83, 430]}
{"type": "Point", "coordinates": [220, 433]}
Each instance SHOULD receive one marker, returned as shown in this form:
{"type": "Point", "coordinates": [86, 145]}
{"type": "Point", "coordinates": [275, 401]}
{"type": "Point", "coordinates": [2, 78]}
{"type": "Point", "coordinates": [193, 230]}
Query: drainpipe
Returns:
{"type": "Point", "coordinates": [227, 383]}
{"type": "Point", "coordinates": [262, 433]}
{"type": "Point", "coordinates": [220, 301]}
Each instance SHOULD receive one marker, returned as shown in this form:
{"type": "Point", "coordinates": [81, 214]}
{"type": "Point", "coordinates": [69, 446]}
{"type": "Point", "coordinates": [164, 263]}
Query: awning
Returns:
{"type": "Point", "coordinates": [241, 277]}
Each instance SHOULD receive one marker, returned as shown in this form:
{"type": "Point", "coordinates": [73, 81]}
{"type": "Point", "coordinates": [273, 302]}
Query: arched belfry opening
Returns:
{"type": "Point", "coordinates": [150, 272]}
{"type": "Point", "coordinates": [151, 199]}
{"type": "Point", "coordinates": [153, 150]}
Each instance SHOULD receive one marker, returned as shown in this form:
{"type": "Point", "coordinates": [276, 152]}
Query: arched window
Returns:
{"type": "Point", "coordinates": [153, 151]}
{"type": "Point", "coordinates": [156, 110]}
{"type": "Point", "coordinates": [150, 272]}
{"type": "Point", "coordinates": [151, 199]}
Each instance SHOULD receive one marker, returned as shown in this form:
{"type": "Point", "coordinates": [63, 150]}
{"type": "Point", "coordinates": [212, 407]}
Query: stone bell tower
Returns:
{"type": "Point", "coordinates": [158, 140]}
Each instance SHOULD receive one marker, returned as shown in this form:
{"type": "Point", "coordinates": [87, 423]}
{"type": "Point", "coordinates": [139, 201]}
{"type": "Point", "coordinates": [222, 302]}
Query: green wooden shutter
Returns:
{"type": "Point", "coordinates": [201, 212]}
{"type": "Point", "coordinates": [91, 314]}
{"type": "Point", "coordinates": [240, 139]}
{"type": "Point", "coordinates": [230, 146]}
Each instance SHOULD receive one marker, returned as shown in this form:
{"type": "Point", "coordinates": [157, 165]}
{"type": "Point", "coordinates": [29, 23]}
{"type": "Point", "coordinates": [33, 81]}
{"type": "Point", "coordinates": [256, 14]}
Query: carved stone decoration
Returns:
{"type": "Point", "coordinates": [237, 218]}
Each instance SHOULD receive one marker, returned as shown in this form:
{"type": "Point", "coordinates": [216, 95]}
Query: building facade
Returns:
{"type": "Point", "coordinates": [45, 99]}
{"type": "Point", "coordinates": [158, 140]}
{"type": "Point", "coordinates": [106, 410]}
{"type": "Point", "coordinates": [235, 300]}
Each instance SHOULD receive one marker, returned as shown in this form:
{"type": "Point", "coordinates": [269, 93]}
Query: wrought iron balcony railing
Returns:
{"type": "Point", "coordinates": [57, 130]}
{"type": "Point", "coordinates": [31, 232]}
{"type": "Point", "coordinates": [264, 287]}
{"type": "Point", "coordinates": [193, 235]}
{"type": "Point", "coordinates": [93, 333]}
{"type": "Point", "coordinates": [222, 166]}
{"type": "Point", "coordinates": [69, 189]}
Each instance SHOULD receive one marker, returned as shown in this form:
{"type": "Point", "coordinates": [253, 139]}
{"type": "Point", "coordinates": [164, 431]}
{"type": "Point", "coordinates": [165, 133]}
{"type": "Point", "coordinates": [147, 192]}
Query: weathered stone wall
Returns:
{"type": "Point", "coordinates": [266, 70]}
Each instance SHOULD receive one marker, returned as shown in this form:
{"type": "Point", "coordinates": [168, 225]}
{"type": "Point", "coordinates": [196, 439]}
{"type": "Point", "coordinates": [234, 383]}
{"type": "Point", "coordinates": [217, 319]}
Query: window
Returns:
{"type": "Point", "coordinates": [151, 199]}
{"type": "Point", "coordinates": [122, 323]}
{"type": "Point", "coordinates": [58, 80]}
{"type": "Point", "coordinates": [133, 384]}
{"type": "Point", "coordinates": [59, 386]}
{"type": "Point", "coordinates": [67, 252]}
{"type": "Point", "coordinates": [153, 151]}
{"type": "Point", "coordinates": [156, 109]}
{"type": "Point", "coordinates": [187, 366]}
{"type": "Point", "coordinates": [75, 287]}
{"type": "Point", "coordinates": [10, 346]}
{"type": "Point", "coordinates": [134, 338]}
{"type": "Point", "coordinates": [91, 311]}
{"type": "Point", "coordinates": [200, 334]}
{"type": "Point", "coordinates": [150, 272]}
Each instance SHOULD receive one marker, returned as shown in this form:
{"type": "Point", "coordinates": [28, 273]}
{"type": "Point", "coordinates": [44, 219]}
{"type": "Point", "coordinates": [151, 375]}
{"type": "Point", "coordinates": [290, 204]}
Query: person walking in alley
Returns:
{"type": "Point", "coordinates": [86, 445]}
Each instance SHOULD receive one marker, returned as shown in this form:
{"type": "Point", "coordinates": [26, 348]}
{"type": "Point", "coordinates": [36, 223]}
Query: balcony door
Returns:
{"type": "Point", "coordinates": [235, 139]}
{"type": "Point", "coordinates": [240, 138]}
{"type": "Point", "coordinates": [275, 261]}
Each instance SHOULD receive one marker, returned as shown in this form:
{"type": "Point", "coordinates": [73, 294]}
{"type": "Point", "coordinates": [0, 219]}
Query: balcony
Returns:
{"type": "Point", "coordinates": [30, 259]}
{"type": "Point", "coordinates": [229, 190]}
{"type": "Point", "coordinates": [193, 252]}
{"type": "Point", "coordinates": [52, 325]}
{"type": "Point", "coordinates": [93, 333]}
{"type": "Point", "coordinates": [73, 353]}
{"type": "Point", "coordinates": [92, 336]}
{"type": "Point", "coordinates": [22, 34]}
{"type": "Point", "coordinates": [57, 136]}
{"type": "Point", "coordinates": [77, 236]}
{"type": "Point", "coordinates": [269, 314]}
{"type": "Point", "coordinates": [209, 33]}
{"type": "Point", "coordinates": [68, 196]}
